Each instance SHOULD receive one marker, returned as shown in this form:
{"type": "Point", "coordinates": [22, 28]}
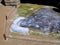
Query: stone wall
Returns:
{"type": "Point", "coordinates": [14, 3]}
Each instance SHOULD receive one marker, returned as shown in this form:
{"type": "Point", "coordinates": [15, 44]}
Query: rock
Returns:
{"type": "Point", "coordinates": [45, 19]}
{"type": "Point", "coordinates": [16, 28]}
{"type": "Point", "coordinates": [18, 20]}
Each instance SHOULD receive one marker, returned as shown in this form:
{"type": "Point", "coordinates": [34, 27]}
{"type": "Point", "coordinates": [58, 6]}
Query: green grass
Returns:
{"type": "Point", "coordinates": [24, 9]}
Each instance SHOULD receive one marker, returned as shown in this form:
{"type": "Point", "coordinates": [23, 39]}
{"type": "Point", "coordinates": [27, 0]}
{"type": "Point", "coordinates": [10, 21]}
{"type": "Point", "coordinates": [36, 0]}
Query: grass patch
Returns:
{"type": "Point", "coordinates": [27, 9]}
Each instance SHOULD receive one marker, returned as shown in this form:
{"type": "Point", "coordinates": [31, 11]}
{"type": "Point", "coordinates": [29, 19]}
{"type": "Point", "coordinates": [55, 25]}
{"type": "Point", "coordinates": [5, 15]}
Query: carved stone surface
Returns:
{"type": "Point", "coordinates": [45, 19]}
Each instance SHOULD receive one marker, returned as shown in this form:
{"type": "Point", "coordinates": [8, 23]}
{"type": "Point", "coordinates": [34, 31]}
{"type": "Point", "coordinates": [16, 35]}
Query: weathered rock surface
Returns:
{"type": "Point", "coordinates": [18, 29]}
{"type": "Point", "coordinates": [45, 19]}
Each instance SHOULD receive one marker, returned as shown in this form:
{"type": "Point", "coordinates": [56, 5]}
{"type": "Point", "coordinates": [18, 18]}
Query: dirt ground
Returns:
{"type": "Point", "coordinates": [5, 11]}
